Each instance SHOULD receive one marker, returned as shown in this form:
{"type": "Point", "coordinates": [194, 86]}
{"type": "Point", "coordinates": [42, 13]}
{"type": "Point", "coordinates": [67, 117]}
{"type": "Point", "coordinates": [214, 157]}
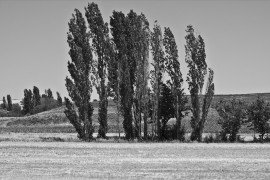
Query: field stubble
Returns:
{"type": "Point", "coordinates": [62, 160]}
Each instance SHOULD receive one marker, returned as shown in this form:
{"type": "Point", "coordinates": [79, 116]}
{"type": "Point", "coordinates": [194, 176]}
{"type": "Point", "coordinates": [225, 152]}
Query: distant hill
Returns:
{"type": "Point", "coordinates": [56, 121]}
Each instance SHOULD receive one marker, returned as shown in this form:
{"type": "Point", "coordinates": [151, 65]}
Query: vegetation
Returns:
{"type": "Point", "coordinates": [36, 96]}
{"type": "Point", "coordinates": [9, 104]}
{"type": "Point", "coordinates": [99, 32]}
{"type": "Point", "coordinates": [149, 92]}
{"type": "Point", "coordinates": [195, 58]}
{"type": "Point", "coordinates": [4, 104]}
{"type": "Point", "coordinates": [232, 115]}
{"type": "Point", "coordinates": [258, 117]}
{"type": "Point", "coordinates": [157, 74]}
{"type": "Point", "coordinates": [167, 109]}
{"type": "Point", "coordinates": [27, 102]}
{"type": "Point", "coordinates": [79, 86]}
{"type": "Point", "coordinates": [172, 67]}
{"type": "Point", "coordinates": [59, 99]}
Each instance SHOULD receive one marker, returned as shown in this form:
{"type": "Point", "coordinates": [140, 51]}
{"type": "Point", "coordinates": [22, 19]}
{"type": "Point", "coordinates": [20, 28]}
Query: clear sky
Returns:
{"type": "Point", "coordinates": [34, 51]}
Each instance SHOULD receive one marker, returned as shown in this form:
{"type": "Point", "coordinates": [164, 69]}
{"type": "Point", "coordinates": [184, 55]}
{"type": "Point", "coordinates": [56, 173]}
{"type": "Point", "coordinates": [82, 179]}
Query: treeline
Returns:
{"type": "Point", "coordinates": [9, 109]}
{"type": "Point", "coordinates": [32, 103]}
{"type": "Point", "coordinates": [116, 61]}
{"type": "Point", "coordinates": [236, 113]}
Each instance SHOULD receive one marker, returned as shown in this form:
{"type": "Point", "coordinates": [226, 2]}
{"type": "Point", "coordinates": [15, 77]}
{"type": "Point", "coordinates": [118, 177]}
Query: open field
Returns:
{"type": "Point", "coordinates": [61, 160]}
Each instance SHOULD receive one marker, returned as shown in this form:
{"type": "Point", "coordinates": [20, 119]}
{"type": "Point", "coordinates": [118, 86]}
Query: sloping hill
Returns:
{"type": "Point", "coordinates": [56, 121]}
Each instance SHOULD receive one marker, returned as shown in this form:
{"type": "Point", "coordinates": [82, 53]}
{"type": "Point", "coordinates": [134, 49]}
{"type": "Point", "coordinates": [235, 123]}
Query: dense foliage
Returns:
{"type": "Point", "coordinates": [99, 32]}
{"type": "Point", "coordinates": [195, 58]}
{"type": "Point", "coordinates": [259, 116]}
{"type": "Point", "coordinates": [232, 115]}
{"type": "Point", "coordinates": [79, 86]}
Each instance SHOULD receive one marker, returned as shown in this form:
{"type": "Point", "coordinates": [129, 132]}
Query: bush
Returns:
{"type": "Point", "coordinates": [171, 133]}
{"type": "Point", "coordinates": [15, 112]}
{"type": "Point", "coordinates": [16, 109]}
{"type": "Point", "coordinates": [46, 105]}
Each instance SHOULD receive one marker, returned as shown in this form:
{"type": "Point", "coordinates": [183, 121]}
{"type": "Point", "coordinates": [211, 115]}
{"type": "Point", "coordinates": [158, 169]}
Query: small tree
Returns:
{"type": "Point", "coordinates": [9, 106]}
{"type": "Point", "coordinates": [195, 58]}
{"type": "Point", "coordinates": [259, 116]}
{"type": "Point", "coordinates": [232, 115]}
{"type": "Point", "coordinates": [59, 99]}
{"type": "Point", "coordinates": [16, 109]}
{"type": "Point", "coordinates": [166, 106]}
{"type": "Point", "coordinates": [36, 97]}
{"type": "Point", "coordinates": [4, 105]}
{"type": "Point", "coordinates": [49, 94]}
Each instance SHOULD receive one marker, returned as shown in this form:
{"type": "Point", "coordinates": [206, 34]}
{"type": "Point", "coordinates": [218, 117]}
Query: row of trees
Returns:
{"type": "Point", "coordinates": [34, 103]}
{"type": "Point", "coordinates": [236, 113]}
{"type": "Point", "coordinates": [118, 66]}
{"type": "Point", "coordinates": [7, 104]}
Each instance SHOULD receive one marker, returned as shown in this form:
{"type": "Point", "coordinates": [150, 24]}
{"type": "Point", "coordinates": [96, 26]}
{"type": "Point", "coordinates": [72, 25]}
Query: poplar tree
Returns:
{"type": "Point", "coordinates": [4, 105]}
{"type": "Point", "coordinates": [28, 102]}
{"type": "Point", "coordinates": [9, 103]}
{"type": "Point", "coordinates": [99, 32]}
{"type": "Point", "coordinates": [49, 94]}
{"type": "Point", "coordinates": [123, 30]}
{"type": "Point", "coordinates": [36, 96]}
{"type": "Point", "coordinates": [157, 73]}
{"type": "Point", "coordinates": [59, 99]}
{"type": "Point", "coordinates": [141, 47]}
{"type": "Point", "coordinates": [195, 58]}
{"type": "Point", "coordinates": [118, 23]}
{"type": "Point", "coordinates": [79, 86]}
{"type": "Point", "coordinates": [172, 67]}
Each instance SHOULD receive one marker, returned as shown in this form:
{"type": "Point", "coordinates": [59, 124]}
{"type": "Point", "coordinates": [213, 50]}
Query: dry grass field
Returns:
{"type": "Point", "coordinates": [77, 160]}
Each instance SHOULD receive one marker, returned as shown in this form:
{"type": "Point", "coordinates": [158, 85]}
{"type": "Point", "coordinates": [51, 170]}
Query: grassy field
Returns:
{"type": "Point", "coordinates": [61, 160]}
{"type": "Point", "coordinates": [55, 121]}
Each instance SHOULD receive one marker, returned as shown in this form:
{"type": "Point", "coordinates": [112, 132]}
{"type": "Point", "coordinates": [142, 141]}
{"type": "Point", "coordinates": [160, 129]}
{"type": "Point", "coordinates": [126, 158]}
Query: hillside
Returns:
{"type": "Point", "coordinates": [56, 121]}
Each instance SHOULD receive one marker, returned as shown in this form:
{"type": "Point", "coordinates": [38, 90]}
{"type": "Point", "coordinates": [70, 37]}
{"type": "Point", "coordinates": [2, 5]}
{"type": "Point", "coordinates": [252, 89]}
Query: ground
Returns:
{"type": "Point", "coordinates": [80, 160]}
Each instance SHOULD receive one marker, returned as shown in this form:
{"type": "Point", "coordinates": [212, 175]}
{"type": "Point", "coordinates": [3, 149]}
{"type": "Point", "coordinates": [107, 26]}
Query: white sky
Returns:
{"type": "Point", "coordinates": [34, 51]}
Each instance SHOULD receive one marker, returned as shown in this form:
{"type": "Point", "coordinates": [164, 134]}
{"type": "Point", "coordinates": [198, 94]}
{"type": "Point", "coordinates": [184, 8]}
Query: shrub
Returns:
{"type": "Point", "coordinates": [171, 133]}
{"type": "Point", "coordinates": [46, 105]}
{"type": "Point", "coordinates": [16, 109]}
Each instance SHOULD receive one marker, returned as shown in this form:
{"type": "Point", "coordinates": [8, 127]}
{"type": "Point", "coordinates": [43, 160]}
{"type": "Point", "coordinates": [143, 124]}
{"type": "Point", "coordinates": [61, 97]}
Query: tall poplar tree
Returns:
{"type": "Point", "coordinates": [28, 102]}
{"type": "Point", "coordinates": [118, 29]}
{"type": "Point", "coordinates": [4, 105]}
{"type": "Point", "coordinates": [195, 58]}
{"type": "Point", "coordinates": [9, 103]}
{"type": "Point", "coordinates": [122, 31]}
{"type": "Point", "coordinates": [36, 96]}
{"type": "Point", "coordinates": [172, 66]}
{"type": "Point", "coordinates": [100, 42]}
{"type": "Point", "coordinates": [157, 73]}
{"type": "Point", "coordinates": [79, 86]}
{"type": "Point", "coordinates": [49, 94]}
{"type": "Point", "coordinates": [141, 46]}
{"type": "Point", "coordinates": [59, 99]}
